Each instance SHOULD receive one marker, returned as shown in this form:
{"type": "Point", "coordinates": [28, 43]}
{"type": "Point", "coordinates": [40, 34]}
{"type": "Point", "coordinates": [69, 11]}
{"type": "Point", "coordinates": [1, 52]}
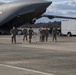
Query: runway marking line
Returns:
{"type": "Point", "coordinates": [25, 69]}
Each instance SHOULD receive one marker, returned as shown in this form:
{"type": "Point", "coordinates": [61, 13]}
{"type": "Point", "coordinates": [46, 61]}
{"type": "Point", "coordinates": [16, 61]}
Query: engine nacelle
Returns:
{"type": "Point", "coordinates": [33, 21]}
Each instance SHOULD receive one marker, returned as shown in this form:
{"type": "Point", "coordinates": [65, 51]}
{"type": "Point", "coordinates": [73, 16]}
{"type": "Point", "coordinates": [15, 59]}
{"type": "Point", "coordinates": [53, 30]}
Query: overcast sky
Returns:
{"type": "Point", "coordinates": [61, 8]}
{"type": "Point", "coordinates": [58, 7]}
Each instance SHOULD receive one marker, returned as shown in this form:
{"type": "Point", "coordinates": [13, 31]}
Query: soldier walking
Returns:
{"type": "Point", "coordinates": [54, 34]}
{"type": "Point", "coordinates": [43, 35]}
{"type": "Point", "coordinates": [13, 35]}
{"type": "Point", "coordinates": [25, 33]}
{"type": "Point", "coordinates": [46, 34]}
{"type": "Point", "coordinates": [30, 34]}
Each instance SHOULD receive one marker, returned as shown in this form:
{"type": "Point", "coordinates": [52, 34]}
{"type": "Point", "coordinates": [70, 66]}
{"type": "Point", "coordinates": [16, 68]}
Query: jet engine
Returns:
{"type": "Point", "coordinates": [33, 21]}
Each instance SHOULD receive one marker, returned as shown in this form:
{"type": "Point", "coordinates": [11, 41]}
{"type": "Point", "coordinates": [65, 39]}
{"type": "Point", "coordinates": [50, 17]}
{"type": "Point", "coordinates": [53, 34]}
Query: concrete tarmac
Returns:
{"type": "Point", "coordinates": [38, 58]}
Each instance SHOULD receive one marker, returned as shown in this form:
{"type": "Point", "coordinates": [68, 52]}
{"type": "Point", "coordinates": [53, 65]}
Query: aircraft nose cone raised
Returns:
{"type": "Point", "coordinates": [47, 3]}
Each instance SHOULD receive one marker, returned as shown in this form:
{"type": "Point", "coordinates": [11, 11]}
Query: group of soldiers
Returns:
{"type": "Point", "coordinates": [25, 32]}
{"type": "Point", "coordinates": [43, 34]}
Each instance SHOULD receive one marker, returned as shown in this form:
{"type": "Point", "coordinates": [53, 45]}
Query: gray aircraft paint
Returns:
{"type": "Point", "coordinates": [12, 9]}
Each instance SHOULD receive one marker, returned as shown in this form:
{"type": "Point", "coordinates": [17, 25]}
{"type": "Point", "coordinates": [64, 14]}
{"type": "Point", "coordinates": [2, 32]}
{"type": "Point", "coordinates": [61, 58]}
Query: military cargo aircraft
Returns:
{"type": "Point", "coordinates": [20, 12]}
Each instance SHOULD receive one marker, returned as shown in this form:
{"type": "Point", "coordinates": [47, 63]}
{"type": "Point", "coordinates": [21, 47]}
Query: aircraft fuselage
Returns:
{"type": "Point", "coordinates": [20, 12]}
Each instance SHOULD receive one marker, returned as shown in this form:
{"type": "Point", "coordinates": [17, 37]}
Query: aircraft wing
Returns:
{"type": "Point", "coordinates": [54, 16]}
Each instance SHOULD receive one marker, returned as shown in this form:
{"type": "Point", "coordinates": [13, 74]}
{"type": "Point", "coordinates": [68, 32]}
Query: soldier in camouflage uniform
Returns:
{"type": "Point", "coordinates": [46, 34]}
{"type": "Point", "coordinates": [54, 34]}
{"type": "Point", "coordinates": [13, 35]}
{"type": "Point", "coordinates": [25, 33]}
{"type": "Point", "coordinates": [43, 35]}
{"type": "Point", "coordinates": [30, 34]}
